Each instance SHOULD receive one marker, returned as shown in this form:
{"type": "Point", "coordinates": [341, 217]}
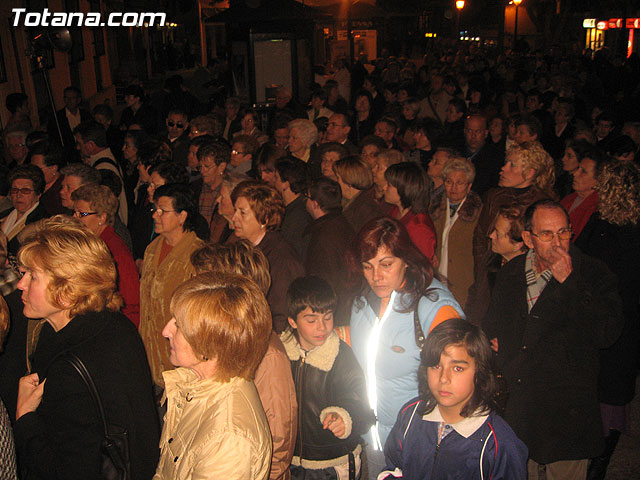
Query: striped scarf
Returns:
{"type": "Point", "coordinates": [535, 281]}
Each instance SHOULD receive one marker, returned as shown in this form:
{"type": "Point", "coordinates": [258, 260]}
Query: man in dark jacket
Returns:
{"type": "Point", "coordinates": [327, 240]}
{"type": "Point", "coordinates": [486, 158]}
{"type": "Point", "coordinates": [551, 311]}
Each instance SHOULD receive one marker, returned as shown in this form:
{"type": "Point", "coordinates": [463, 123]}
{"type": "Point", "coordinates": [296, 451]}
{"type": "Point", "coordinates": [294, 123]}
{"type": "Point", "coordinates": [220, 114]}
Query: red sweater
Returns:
{"type": "Point", "coordinates": [421, 231]}
{"type": "Point", "coordinates": [581, 214]}
{"type": "Point", "coordinates": [128, 278]}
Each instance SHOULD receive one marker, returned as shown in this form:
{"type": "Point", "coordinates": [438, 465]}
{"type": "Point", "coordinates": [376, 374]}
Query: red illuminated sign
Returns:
{"type": "Point", "coordinates": [633, 22]}
{"type": "Point", "coordinates": [602, 25]}
{"type": "Point", "coordinates": [615, 23]}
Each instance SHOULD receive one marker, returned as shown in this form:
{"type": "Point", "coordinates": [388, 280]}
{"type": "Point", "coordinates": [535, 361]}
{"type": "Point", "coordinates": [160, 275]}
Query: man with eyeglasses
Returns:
{"type": "Point", "coordinates": [552, 310]}
{"type": "Point", "coordinates": [177, 123]}
{"type": "Point", "coordinates": [485, 157]}
{"type": "Point", "coordinates": [242, 151]}
{"type": "Point", "coordinates": [338, 130]}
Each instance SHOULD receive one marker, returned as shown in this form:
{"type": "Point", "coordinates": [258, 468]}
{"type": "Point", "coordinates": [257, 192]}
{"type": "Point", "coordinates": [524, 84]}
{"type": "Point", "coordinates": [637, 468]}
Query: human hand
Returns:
{"type": "Point", "coordinates": [335, 424]}
{"type": "Point", "coordinates": [494, 344]}
{"type": "Point", "coordinates": [30, 391]}
{"type": "Point", "coordinates": [561, 266]}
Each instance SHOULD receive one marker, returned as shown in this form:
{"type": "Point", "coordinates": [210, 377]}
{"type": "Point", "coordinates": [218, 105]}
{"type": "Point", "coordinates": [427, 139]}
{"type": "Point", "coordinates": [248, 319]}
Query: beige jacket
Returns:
{"type": "Point", "coordinates": [157, 284]}
{"type": "Point", "coordinates": [213, 430]}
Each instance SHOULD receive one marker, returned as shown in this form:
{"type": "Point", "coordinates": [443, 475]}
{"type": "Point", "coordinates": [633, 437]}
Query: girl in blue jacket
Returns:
{"type": "Point", "coordinates": [450, 430]}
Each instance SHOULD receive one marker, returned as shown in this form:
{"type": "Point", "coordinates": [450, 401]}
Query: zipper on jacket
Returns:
{"type": "Point", "coordinates": [299, 386]}
{"type": "Point", "coordinates": [435, 460]}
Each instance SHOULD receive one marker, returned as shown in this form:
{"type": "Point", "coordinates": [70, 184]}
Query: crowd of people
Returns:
{"type": "Point", "coordinates": [425, 269]}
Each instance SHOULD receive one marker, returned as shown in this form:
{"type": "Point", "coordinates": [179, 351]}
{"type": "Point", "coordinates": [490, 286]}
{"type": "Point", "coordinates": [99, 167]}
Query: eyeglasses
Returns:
{"type": "Point", "coordinates": [564, 234]}
{"type": "Point", "coordinates": [161, 211]}
{"type": "Point", "coordinates": [334, 124]}
{"type": "Point", "coordinates": [174, 124]}
{"type": "Point", "coordinates": [194, 132]}
{"type": "Point", "coordinates": [17, 145]}
{"type": "Point", "coordinates": [83, 214]}
{"type": "Point", "coordinates": [451, 183]}
{"type": "Point", "coordinates": [21, 191]}
{"type": "Point", "coordinates": [236, 152]}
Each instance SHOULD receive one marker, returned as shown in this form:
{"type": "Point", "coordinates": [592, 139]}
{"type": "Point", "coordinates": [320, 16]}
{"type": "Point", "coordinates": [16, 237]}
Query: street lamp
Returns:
{"type": "Point", "coordinates": [515, 27]}
{"type": "Point", "coordinates": [459, 7]}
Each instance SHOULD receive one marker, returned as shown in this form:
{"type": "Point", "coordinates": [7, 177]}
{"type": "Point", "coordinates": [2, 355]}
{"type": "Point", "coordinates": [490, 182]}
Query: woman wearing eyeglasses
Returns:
{"type": "Point", "coordinates": [27, 184]}
{"type": "Point", "coordinates": [95, 206]}
{"type": "Point", "coordinates": [166, 265]}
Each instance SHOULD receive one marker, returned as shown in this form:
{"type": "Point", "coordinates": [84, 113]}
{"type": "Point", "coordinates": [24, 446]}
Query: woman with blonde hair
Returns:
{"type": "Point", "coordinates": [69, 280]}
{"type": "Point", "coordinates": [356, 179]}
{"type": "Point", "coordinates": [259, 209]}
{"type": "Point", "coordinates": [273, 376]}
{"type": "Point", "coordinates": [612, 235]}
{"type": "Point", "coordinates": [95, 206]}
{"type": "Point", "coordinates": [218, 333]}
{"type": "Point", "coordinates": [526, 177]}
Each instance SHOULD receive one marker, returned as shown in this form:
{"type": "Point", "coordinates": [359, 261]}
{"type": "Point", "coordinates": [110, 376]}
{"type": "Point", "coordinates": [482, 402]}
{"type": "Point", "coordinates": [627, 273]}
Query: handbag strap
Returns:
{"type": "Point", "coordinates": [417, 329]}
{"type": "Point", "coordinates": [80, 367]}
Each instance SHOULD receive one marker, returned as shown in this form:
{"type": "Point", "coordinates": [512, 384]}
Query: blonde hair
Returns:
{"type": "Point", "coordinates": [4, 321]}
{"type": "Point", "coordinates": [354, 172]}
{"type": "Point", "coordinates": [531, 155]}
{"type": "Point", "coordinates": [619, 193]}
{"type": "Point", "coordinates": [83, 275]}
{"type": "Point", "coordinates": [100, 198]}
{"type": "Point", "coordinates": [239, 257]}
{"type": "Point", "coordinates": [225, 317]}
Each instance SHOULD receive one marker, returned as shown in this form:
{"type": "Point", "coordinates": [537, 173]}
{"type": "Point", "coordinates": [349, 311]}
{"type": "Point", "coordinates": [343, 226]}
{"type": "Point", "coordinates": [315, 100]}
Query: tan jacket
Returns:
{"type": "Point", "coordinates": [157, 284]}
{"type": "Point", "coordinates": [213, 430]}
{"type": "Point", "coordinates": [460, 242]}
{"type": "Point", "coordinates": [278, 395]}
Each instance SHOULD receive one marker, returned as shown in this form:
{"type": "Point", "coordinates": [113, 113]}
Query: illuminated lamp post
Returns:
{"type": "Point", "coordinates": [459, 7]}
{"type": "Point", "coordinates": [515, 27]}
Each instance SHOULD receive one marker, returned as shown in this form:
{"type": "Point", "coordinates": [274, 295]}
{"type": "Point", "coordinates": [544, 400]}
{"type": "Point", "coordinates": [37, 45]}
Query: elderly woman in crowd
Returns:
{"type": "Point", "coordinates": [26, 185]}
{"type": "Point", "coordinates": [506, 243]}
{"type": "Point", "coordinates": [455, 217]}
{"type": "Point", "coordinates": [612, 234]}
{"type": "Point", "coordinates": [165, 266]}
{"type": "Point", "coordinates": [398, 304]}
{"type": "Point", "coordinates": [218, 334]}
{"type": "Point", "coordinates": [273, 376]}
{"type": "Point", "coordinates": [258, 213]}
{"type": "Point", "coordinates": [69, 280]}
{"type": "Point", "coordinates": [583, 202]}
{"type": "Point", "coordinates": [329, 153]}
{"type": "Point", "coordinates": [383, 160]}
{"type": "Point", "coordinates": [96, 206]}
{"type": "Point", "coordinates": [526, 177]}
{"type": "Point", "coordinates": [302, 136]}
{"type": "Point", "coordinates": [407, 189]}
{"type": "Point", "coordinates": [356, 179]}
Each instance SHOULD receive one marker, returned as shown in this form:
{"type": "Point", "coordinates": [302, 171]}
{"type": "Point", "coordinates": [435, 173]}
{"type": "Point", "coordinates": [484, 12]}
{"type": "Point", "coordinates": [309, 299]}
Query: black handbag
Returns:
{"type": "Point", "coordinates": [116, 463]}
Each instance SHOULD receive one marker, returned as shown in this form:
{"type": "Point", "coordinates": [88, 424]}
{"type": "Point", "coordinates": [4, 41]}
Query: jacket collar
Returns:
{"type": "Point", "coordinates": [186, 384]}
{"type": "Point", "coordinates": [469, 210]}
{"type": "Point", "coordinates": [321, 357]}
{"type": "Point", "coordinates": [465, 427]}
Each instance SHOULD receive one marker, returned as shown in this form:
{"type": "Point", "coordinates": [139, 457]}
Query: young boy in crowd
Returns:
{"type": "Point", "coordinates": [450, 431]}
{"type": "Point", "coordinates": [332, 408]}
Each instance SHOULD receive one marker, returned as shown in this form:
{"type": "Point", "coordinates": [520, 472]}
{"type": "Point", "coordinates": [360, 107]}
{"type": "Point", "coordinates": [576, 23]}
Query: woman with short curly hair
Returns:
{"type": "Point", "coordinates": [526, 177]}
{"type": "Point", "coordinates": [69, 280]}
{"type": "Point", "coordinates": [258, 212]}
